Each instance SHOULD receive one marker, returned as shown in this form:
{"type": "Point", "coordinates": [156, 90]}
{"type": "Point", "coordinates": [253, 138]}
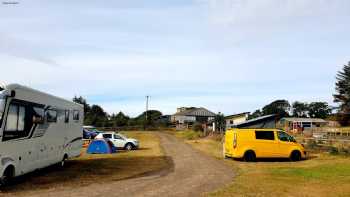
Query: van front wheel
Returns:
{"type": "Point", "coordinates": [249, 156]}
{"type": "Point", "coordinates": [295, 156]}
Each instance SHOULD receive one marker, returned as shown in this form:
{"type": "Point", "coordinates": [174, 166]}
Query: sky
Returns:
{"type": "Point", "coordinates": [228, 56]}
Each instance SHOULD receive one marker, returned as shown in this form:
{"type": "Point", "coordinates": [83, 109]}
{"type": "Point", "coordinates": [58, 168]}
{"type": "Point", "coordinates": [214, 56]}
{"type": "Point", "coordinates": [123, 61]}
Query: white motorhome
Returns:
{"type": "Point", "coordinates": [36, 130]}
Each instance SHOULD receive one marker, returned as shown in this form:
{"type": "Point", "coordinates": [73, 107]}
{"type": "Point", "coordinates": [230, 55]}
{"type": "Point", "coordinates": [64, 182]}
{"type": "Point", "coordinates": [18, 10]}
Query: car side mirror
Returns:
{"type": "Point", "coordinates": [38, 120]}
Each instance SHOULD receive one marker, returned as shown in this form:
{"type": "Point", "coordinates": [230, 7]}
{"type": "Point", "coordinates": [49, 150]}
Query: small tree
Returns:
{"type": "Point", "coordinates": [220, 122]}
{"type": "Point", "coordinates": [342, 95]}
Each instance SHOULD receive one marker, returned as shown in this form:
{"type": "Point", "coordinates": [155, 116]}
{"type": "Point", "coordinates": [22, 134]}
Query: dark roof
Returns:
{"type": "Point", "coordinates": [236, 115]}
{"type": "Point", "coordinates": [260, 122]}
{"type": "Point", "coordinates": [319, 120]}
{"type": "Point", "coordinates": [196, 112]}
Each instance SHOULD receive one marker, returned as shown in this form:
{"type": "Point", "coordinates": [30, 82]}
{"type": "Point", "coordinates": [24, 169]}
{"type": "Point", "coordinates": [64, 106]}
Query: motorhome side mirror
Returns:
{"type": "Point", "coordinates": [13, 93]}
{"type": "Point", "coordinates": [38, 120]}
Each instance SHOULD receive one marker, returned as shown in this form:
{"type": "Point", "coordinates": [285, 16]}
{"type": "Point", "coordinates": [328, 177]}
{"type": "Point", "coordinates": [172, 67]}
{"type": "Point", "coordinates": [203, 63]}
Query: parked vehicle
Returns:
{"type": "Point", "coordinates": [119, 140]}
{"type": "Point", "coordinates": [250, 144]}
{"type": "Point", "coordinates": [90, 132]}
{"type": "Point", "coordinates": [36, 130]}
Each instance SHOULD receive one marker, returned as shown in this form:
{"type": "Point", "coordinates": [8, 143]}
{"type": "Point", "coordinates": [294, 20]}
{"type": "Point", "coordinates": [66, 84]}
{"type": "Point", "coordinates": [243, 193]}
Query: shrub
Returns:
{"type": "Point", "coordinates": [333, 150]}
{"type": "Point", "coordinates": [197, 127]}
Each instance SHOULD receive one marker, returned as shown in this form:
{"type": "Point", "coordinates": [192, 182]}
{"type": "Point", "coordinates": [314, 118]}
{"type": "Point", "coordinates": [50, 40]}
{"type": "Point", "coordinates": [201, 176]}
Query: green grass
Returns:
{"type": "Point", "coordinates": [322, 172]}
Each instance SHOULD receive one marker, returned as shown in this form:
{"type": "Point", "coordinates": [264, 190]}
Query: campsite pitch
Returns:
{"type": "Point", "coordinates": [164, 166]}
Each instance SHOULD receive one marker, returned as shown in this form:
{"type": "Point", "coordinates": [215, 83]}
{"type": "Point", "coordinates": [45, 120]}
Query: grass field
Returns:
{"type": "Point", "coordinates": [323, 175]}
{"type": "Point", "coordinates": [89, 169]}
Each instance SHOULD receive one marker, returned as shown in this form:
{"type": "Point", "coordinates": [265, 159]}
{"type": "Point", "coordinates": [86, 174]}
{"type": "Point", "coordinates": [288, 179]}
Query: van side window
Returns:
{"type": "Point", "coordinates": [51, 115]}
{"type": "Point", "coordinates": [16, 123]}
{"type": "Point", "coordinates": [264, 135]}
{"type": "Point", "coordinates": [66, 116]}
{"type": "Point", "coordinates": [75, 115]}
{"type": "Point", "coordinates": [285, 137]}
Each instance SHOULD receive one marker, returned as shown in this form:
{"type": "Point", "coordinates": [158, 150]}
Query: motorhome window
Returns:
{"type": "Point", "coordinates": [2, 108]}
{"type": "Point", "coordinates": [75, 115]}
{"type": "Point", "coordinates": [66, 116]}
{"type": "Point", "coordinates": [17, 124]}
{"type": "Point", "coordinates": [264, 135]}
{"type": "Point", "coordinates": [39, 111]}
{"type": "Point", "coordinates": [12, 118]}
{"type": "Point", "coordinates": [51, 115]}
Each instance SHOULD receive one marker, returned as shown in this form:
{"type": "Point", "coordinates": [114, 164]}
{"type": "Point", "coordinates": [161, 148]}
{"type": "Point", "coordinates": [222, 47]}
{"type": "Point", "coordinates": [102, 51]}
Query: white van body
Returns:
{"type": "Point", "coordinates": [36, 130]}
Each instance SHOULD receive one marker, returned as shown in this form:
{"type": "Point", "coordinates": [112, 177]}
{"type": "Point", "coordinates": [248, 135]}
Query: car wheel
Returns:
{"type": "Point", "coordinates": [128, 146]}
{"type": "Point", "coordinates": [249, 156]}
{"type": "Point", "coordinates": [295, 156]}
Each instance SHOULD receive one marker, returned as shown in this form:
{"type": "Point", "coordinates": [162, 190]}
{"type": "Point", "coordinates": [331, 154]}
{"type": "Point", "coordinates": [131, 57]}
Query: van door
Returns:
{"type": "Point", "coordinates": [266, 144]}
{"type": "Point", "coordinates": [285, 144]}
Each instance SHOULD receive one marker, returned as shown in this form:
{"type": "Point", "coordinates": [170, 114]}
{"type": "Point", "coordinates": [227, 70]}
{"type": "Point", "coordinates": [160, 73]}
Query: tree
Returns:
{"type": "Point", "coordinates": [342, 95]}
{"type": "Point", "coordinates": [319, 110]}
{"type": "Point", "coordinates": [300, 109]}
{"type": "Point", "coordinates": [220, 122]}
{"type": "Point", "coordinates": [280, 107]}
{"type": "Point", "coordinates": [120, 119]}
{"type": "Point", "coordinates": [96, 116]}
{"type": "Point", "coordinates": [255, 114]}
{"type": "Point", "coordinates": [82, 101]}
{"type": "Point", "coordinates": [152, 117]}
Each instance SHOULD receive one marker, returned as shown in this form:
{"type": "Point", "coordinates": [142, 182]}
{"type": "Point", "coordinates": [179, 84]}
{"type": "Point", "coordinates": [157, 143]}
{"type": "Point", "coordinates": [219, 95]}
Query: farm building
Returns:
{"type": "Point", "coordinates": [298, 125]}
{"type": "Point", "coordinates": [235, 119]}
{"type": "Point", "coordinates": [185, 117]}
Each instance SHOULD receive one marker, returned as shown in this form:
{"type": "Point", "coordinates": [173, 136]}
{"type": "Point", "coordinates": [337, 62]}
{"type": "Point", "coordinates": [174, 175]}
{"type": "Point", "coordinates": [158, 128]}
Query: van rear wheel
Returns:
{"type": "Point", "coordinates": [249, 156]}
{"type": "Point", "coordinates": [295, 156]}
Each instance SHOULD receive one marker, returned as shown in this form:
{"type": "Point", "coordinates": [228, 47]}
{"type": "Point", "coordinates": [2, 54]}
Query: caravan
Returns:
{"type": "Point", "coordinates": [36, 130]}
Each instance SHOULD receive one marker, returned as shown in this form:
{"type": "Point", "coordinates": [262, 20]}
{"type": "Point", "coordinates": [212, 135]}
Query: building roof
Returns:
{"type": "Point", "coordinates": [304, 120]}
{"type": "Point", "coordinates": [196, 112]}
{"type": "Point", "coordinates": [236, 115]}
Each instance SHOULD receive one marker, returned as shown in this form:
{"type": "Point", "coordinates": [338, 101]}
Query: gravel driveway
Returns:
{"type": "Point", "coordinates": [191, 174]}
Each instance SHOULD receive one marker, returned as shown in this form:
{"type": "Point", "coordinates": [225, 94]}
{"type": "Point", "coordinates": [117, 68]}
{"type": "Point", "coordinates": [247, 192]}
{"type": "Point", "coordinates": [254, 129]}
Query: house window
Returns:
{"type": "Point", "coordinates": [51, 115]}
{"type": "Point", "coordinates": [231, 121]}
{"type": "Point", "coordinates": [75, 115]}
{"type": "Point", "coordinates": [66, 116]}
{"type": "Point", "coordinates": [265, 135]}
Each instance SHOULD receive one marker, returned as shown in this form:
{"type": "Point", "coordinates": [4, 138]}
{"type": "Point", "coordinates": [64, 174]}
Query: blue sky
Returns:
{"type": "Point", "coordinates": [229, 56]}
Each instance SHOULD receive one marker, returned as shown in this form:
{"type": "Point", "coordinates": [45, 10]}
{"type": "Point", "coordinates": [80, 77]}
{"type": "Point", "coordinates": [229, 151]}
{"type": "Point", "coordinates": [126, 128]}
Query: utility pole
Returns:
{"type": "Point", "coordinates": [147, 98]}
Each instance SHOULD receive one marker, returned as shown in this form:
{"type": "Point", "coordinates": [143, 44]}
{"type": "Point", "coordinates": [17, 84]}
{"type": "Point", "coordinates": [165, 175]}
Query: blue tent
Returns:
{"type": "Point", "coordinates": [101, 146]}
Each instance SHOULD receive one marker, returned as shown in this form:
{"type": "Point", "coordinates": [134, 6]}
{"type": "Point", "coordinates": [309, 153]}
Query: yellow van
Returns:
{"type": "Point", "coordinates": [250, 144]}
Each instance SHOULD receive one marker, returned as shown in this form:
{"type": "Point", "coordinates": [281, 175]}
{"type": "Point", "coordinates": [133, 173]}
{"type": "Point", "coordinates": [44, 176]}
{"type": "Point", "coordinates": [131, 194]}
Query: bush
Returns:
{"type": "Point", "coordinates": [311, 144]}
{"type": "Point", "coordinates": [333, 150]}
{"type": "Point", "coordinates": [197, 127]}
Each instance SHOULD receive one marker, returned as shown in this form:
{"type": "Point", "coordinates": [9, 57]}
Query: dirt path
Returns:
{"type": "Point", "coordinates": [191, 174]}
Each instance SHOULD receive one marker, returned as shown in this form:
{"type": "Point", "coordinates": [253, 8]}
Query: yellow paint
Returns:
{"type": "Point", "coordinates": [239, 141]}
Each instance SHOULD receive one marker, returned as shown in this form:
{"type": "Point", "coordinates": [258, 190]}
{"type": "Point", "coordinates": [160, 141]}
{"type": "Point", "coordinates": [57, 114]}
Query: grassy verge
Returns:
{"type": "Point", "coordinates": [324, 175]}
{"type": "Point", "coordinates": [89, 169]}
